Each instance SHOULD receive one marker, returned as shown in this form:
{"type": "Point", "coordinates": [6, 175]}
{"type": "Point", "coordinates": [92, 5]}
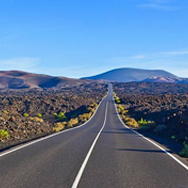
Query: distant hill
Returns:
{"type": "Point", "coordinates": [16, 80]}
{"type": "Point", "coordinates": [25, 80]}
{"type": "Point", "coordinates": [163, 79]}
{"type": "Point", "coordinates": [130, 75]}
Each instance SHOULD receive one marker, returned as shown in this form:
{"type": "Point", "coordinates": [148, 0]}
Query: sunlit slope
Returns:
{"type": "Point", "coordinates": [130, 74]}
{"type": "Point", "coordinates": [25, 80]}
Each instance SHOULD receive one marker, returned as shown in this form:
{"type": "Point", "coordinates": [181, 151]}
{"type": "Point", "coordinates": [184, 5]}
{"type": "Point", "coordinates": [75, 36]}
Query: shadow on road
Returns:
{"type": "Point", "coordinates": [119, 132]}
{"type": "Point", "coordinates": [142, 150]}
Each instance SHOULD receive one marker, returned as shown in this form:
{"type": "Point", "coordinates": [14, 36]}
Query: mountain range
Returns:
{"type": "Point", "coordinates": [25, 80]}
{"type": "Point", "coordinates": [130, 75]}
{"type": "Point", "coordinates": [138, 75]}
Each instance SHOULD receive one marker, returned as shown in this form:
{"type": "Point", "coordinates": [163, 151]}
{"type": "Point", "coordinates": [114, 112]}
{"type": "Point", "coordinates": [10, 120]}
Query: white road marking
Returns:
{"type": "Point", "coordinates": [49, 136]}
{"type": "Point", "coordinates": [79, 175]}
{"type": "Point", "coordinates": [169, 154]}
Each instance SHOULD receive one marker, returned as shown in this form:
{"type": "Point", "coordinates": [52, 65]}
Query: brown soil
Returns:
{"type": "Point", "coordinates": [18, 80]}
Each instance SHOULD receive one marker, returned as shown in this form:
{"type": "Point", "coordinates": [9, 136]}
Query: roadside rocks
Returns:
{"type": "Point", "coordinates": [28, 115]}
{"type": "Point", "coordinates": [165, 104]}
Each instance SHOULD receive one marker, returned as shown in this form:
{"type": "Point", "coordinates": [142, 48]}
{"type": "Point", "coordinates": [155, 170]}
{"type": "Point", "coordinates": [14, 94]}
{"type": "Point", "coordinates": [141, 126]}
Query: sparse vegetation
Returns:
{"type": "Point", "coordinates": [184, 152]}
{"type": "Point", "coordinates": [39, 115]}
{"type": "Point", "coordinates": [59, 126]}
{"type": "Point", "coordinates": [173, 137]}
{"type": "Point", "coordinates": [116, 98]}
{"type": "Point", "coordinates": [120, 108]}
{"type": "Point", "coordinates": [75, 119]}
{"type": "Point", "coordinates": [130, 122]}
{"type": "Point", "coordinates": [37, 119]}
{"type": "Point", "coordinates": [161, 109]}
{"type": "Point", "coordinates": [61, 116]}
{"type": "Point", "coordinates": [33, 114]}
{"type": "Point", "coordinates": [72, 122]}
{"type": "Point", "coordinates": [4, 134]}
{"type": "Point", "coordinates": [147, 123]}
{"type": "Point", "coordinates": [142, 122]}
{"type": "Point", "coordinates": [25, 115]}
{"type": "Point", "coordinates": [84, 117]}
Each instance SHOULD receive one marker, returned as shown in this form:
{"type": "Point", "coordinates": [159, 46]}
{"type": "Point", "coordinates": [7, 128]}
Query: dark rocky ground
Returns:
{"type": "Point", "coordinates": [165, 104]}
{"type": "Point", "coordinates": [16, 105]}
{"type": "Point", "coordinates": [151, 88]}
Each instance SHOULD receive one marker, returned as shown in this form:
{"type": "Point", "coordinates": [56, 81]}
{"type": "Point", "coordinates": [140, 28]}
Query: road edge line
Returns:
{"type": "Point", "coordinates": [155, 144]}
{"type": "Point", "coordinates": [6, 152]}
{"type": "Point", "coordinates": [83, 166]}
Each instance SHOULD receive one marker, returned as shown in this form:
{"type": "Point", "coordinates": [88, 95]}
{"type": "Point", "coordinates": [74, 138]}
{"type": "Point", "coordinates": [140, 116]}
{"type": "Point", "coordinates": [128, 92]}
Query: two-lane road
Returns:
{"type": "Point", "coordinates": [100, 154]}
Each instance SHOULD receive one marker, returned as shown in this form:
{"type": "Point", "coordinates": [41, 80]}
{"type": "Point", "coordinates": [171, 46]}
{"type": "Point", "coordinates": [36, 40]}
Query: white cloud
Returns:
{"type": "Point", "coordinates": [21, 63]}
{"type": "Point", "coordinates": [156, 6]}
{"type": "Point", "coordinates": [159, 5]}
{"type": "Point", "coordinates": [141, 56]}
{"type": "Point", "coordinates": [183, 52]}
{"type": "Point", "coordinates": [161, 54]}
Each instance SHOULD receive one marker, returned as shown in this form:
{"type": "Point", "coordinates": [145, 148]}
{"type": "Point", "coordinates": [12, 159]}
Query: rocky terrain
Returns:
{"type": "Point", "coordinates": [151, 88]}
{"type": "Point", "coordinates": [26, 115]}
{"type": "Point", "coordinates": [163, 107]}
{"type": "Point", "coordinates": [163, 79]}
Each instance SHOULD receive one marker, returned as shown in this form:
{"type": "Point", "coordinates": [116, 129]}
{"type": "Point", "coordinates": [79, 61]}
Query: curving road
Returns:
{"type": "Point", "coordinates": [101, 154]}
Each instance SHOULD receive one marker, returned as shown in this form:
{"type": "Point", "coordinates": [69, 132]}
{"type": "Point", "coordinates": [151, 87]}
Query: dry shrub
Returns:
{"type": "Point", "coordinates": [72, 122]}
{"type": "Point", "coordinates": [131, 122]}
{"type": "Point", "coordinates": [37, 119]}
{"type": "Point", "coordinates": [59, 126]}
{"type": "Point", "coordinates": [93, 105]}
{"type": "Point", "coordinates": [89, 108]}
{"type": "Point", "coordinates": [124, 111]}
{"type": "Point", "coordinates": [84, 117]}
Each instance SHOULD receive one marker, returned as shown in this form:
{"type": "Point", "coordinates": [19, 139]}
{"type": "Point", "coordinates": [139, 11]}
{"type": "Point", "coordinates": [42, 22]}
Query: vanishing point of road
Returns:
{"type": "Point", "coordinates": [103, 153]}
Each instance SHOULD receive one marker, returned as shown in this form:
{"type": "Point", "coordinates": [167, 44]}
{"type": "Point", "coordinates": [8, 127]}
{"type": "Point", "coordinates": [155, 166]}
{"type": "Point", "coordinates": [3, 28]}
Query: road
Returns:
{"type": "Point", "coordinates": [100, 154]}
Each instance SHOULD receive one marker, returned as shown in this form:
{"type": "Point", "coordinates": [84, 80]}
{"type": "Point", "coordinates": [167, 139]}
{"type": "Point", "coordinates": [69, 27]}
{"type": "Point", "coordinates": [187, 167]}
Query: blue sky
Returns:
{"type": "Point", "coordinates": [76, 38]}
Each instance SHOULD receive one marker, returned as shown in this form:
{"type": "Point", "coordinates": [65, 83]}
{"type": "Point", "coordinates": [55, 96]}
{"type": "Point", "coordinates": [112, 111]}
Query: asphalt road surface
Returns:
{"type": "Point", "coordinates": [100, 154]}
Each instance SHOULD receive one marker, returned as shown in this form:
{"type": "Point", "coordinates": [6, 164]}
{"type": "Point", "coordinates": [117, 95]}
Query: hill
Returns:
{"type": "Point", "coordinates": [25, 80]}
{"type": "Point", "coordinates": [163, 79]}
{"type": "Point", "coordinates": [130, 75]}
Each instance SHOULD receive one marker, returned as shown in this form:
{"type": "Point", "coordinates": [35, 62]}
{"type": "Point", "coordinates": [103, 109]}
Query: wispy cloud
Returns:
{"type": "Point", "coordinates": [161, 54]}
{"type": "Point", "coordinates": [183, 52]}
{"type": "Point", "coordinates": [21, 63]}
{"type": "Point", "coordinates": [141, 56]}
{"type": "Point", "coordinates": [166, 5]}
